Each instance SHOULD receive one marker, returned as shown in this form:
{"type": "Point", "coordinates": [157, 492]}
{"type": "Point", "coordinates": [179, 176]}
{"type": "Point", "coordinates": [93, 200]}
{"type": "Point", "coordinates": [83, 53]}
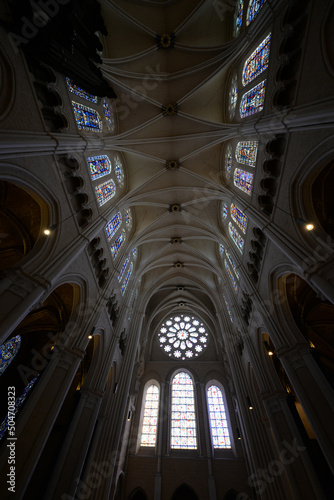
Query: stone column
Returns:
{"type": "Point", "coordinates": [157, 481]}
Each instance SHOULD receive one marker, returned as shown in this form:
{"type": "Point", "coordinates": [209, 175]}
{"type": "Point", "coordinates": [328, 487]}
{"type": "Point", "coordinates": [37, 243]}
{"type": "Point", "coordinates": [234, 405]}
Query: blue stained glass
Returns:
{"type": "Point", "coordinates": [8, 351]}
{"type": "Point", "coordinates": [125, 265]}
{"type": "Point", "coordinates": [246, 152]}
{"type": "Point", "coordinates": [239, 217]}
{"type": "Point", "coordinates": [119, 169]}
{"type": "Point", "coordinates": [224, 211]}
{"type": "Point", "coordinates": [104, 192]}
{"type": "Point", "coordinates": [106, 111]}
{"type": "Point", "coordinates": [113, 225]}
{"type": "Point", "coordinates": [87, 118]}
{"type": "Point", "coordinates": [221, 249]}
{"type": "Point", "coordinates": [218, 423]}
{"type": "Point", "coordinates": [231, 261]}
{"type": "Point", "coordinates": [99, 166]}
{"type": "Point", "coordinates": [134, 253]}
{"type": "Point", "coordinates": [183, 418]}
{"type": "Point", "coordinates": [253, 9]}
{"type": "Point", "coordinates": [18, 403]}
{"type": "Point", "coordinates": [239, 8]}
{"type": "Point", "coordinates": [228, 308]}
{"type": "Point", "coordinates": [133, 305]}
{"type": "Point", "coordinates": [228, 161]}
{"type": "Point", "coordinates": [232, 278]}
{"type": "Point", "coordinates": [253, 100]}
{"type": "Point", "coordinates": [127, 277]}
{"type": "Point", "coordinates": [257, 62]}
{"type": "Point", "coordinates": [243, 180]}
{"type": "Point", "coordinates": [79, 91]}
{"type": "Point", "coordinates": [128, 217]}
{"type": "Point", "coordinates": [236, 238]}
{"type": "Point", "coordinates": [117, 244]}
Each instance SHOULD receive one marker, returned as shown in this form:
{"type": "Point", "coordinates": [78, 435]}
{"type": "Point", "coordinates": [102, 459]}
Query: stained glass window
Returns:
{"type": "Point", "coordinates": [221, 249]}
{"type": "Point", "coordinates": [79, 91]}
{"type": "Point", "coordinates": [18, 403]}
{"type": "Point", "coordinates": [183, 337]}
{"type": "Point", "coordinates": [233, 96]}
{"type": "Point", "coordinates": [119, 169]}
{"type": "Point", "coordinates": [104, 192]}
{"type": "Point", "coordinates": [134, 253]}
{"type": "Point", "coordinates": [127, 277]}
{"type": "Point", "coordinates": [232, 278]}
{"type": "Point", "coordinates": [252, 101]}
{"type": "Point", "coordinates": [234, 267]}
{"type": "Point", "coordinates": [253, 8]}
{"type": "Point", "coordinates": [243, 180]}
{"type": "Point", "coordinates": [117, 244]}
{"type": "Point", "coordinates": [107, 112]}
{"type": "Point", "coordinates": [257, 62]}
{"type": "Point", "coordinates": [8, 351]}
{"type": "Point", "coordinates": [239, 8]}
{"type": "Point", "coordinates": [228, 308]}
{"type": "Point", "coordinates": [133, 304]}
{"type": "Point", "coordinates": [113, 225]}
{"type": "Point", "coordinates": [125, 265]}
{"type": "Point", "coordinates": [99, 166]}
{"type": "Point", "coordinates": [246, 152]}
{"type": "Point", "coordinates": [237, 240]}
{"type": "Point", "coordinates": [87, 118]}
{"type": "Point", "coordinates": [150, 419]}
{"type": "Point", "coordinates": [183, 418]}
{"type": "Point", "coordinates": [224, 210]}
{"type": "Point", "coordinates": [228, 161]}
{"type": "Point", "coordinates": [128, 217]}
{"type": "Point", "coordinates": [218, 421]}
{"type": "Point", "coordinates": [239, 217]}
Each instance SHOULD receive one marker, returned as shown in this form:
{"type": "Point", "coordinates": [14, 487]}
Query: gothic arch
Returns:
{"type": "Point", "coordinates": [184, 492]}
{"type": "Point", "coordinates": [137, 494]}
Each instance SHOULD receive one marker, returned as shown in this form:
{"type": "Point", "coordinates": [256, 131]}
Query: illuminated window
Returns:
{"type": "Point", "coordinates": [106, 111]}
{"type": "Point", "coordinates": [104, 192]}
{"type": "Point", "coordinates": [119, 169]}
{"type": "Point", "coordinates": [113, 225]}
{"type": "Point", "coordinates": [134, 253]}
{"type": "Point", "coordinates": [87, 118]}
{"type": "Point", "coordinates": [257, 62]}
{"type": "Point", "coordinates": [232, 278]}
{"type": "Point", "coordinates": [234, 267]}
{"type": "Point", "coordinates": [221, 249]}
{"type": "Point", "coordinates": [224, 211]}
{"type": "Point", "coordinates": [253, 100]}
{"type": "Point", "coordinates": [228, 161]}
{"type": "Point", "coordinates": [79, 91]}
{"type": "Point", "coordinates": [182, 337]}
{"type": "Point", "coordinates": [217, 415]}
{"type": "Point", "coordinates": [243, 180]}
{"type": "Point", "coordinates": [183, 419]}
{"type": "Point", "coordinates": [133, 304]}
{"type": "Point", "coordinates": [8, 351]}
{"type": "Point", "coordinates": [127, 277]}
{"type": "Point", "coordinates": [239, 217]}
{"type": "Point", "coordinates": [233, 96]}
{"type": "Point", "coordinates": [117, 244]}
{"type": "Point", "coordinates": [236, 238]}
{"type": "Point", "coordinates": [253, 9]}
{"type": "Point", "coordinates": [99, 166]}
{"type": "Point", "coordinates": [125, 265]}
{"type": "Point", "coordinates": [150, 418]}
{"type": "Point", "coordinates": [246, 152]}
{"type": "Point", "coordinates": [228, 308]}
{"type": "Point", "coordinates": [239, 8]}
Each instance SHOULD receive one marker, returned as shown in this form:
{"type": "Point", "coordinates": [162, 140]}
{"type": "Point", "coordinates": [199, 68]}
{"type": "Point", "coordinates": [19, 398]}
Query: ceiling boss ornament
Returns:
{"type": "Point", "coordinates": [165, 41]}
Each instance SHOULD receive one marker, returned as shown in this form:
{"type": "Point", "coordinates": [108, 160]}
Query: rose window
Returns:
{"type": "Point", "coordinates": [183, 337]}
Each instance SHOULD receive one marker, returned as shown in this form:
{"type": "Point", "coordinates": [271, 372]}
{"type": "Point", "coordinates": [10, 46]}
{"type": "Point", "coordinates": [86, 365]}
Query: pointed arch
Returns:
{"type": "Point", "coordinates": [183, 412]}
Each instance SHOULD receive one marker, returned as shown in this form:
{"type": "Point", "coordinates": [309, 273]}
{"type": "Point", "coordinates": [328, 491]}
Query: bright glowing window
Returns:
{"type": "Point", "coordinates": [243, 180]}
{"type": "Point", "coordinates": [128, 218]}
{"type": "Point", "coordinates": [113, 225]}
{"type": "Point", "coordinates": [253, 100]}
{"type": "Point", "coordinates": [127, 277]}
{"type": "Point", "coordinates": [117, 244]}
{"type": "Point", "coordinates": [8, 351]}
{"type": "Point", "coordinates": [257, 62]}
{"type": "Point", "coordinates": [253, 9]}
{"type": "Point", "coordinates": [104, 192]}
{"type": "Point", "coordinates": [87, 118]}
{"type": "Point", "coordinates": [246, 152]}
{"type": "Point", "coordinates": [228, 161]}
{"type": "Point", "coordinates": [119, 169]}
{"type": "Point", "coordinates": [232, 278]}
{"type": "Point", "coordinates": [183, 418]}
{"type": "Point", "coordinates": [125, 265]}
{"type": "Point", "coordinates": [239, 8]}
{"type": "Point", "coordinates": [79, 91]}
{"type": "Point", "coordinates": [239, 217]}
{"type": "Point", "coordinates": [217, 415]}
{"type": "Point", "coordinates": [106, 111]}
{"type": "Point", "coordinates": [236, 238]}
{"type": "Point", "coordinates": [99, 166]}
{"type": "Point", "coordinates": [182, 337]}
{"type": "Point", "coordinates": [221, 249]}
{"type": "Point", "coordinates": [228, 308]}
{"type": "Point", "coordinates": [224, 211]}
{"type": "Point", "coordinates": [233, 96]}
{"type": "Point", "coordinates": [150, 419]}
{"type": "Point", "coordinates": [134, 253]}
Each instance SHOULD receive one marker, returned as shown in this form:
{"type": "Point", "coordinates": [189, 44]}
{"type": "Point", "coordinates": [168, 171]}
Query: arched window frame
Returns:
{"type": "Point", "coordinates": [229, 426]}
{"type": "Point", "coordinates": [197, 449]}
{"type": "Point", "coordinates": [146, 387]}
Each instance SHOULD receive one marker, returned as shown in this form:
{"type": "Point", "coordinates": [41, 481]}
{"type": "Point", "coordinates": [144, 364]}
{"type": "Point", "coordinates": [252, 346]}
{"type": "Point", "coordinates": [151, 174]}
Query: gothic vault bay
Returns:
{"type": "Point", "coordinates": [166, 249]}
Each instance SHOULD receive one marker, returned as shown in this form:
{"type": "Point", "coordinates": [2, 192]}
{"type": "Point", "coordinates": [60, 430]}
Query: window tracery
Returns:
{"type": "Point", "coordinates": [150, 419]}
{"type": "Point", "coordinates": [126, 281]}
{"type": "Point", "coordinates": [87, 118]}
{"type": "Point", "coordinates": [253, 100]}
{"type": "Point", "coordinates": [79, 91]}
{"type": "Point", "coordinates": [257, 62]}
{"type": "Point", "coordinates": [239, 217]}
{"type": "Point", "coordinates": [8, 351]}
{"type": "Point", "coordinates": [99, 166]}
{"type": "Point", "coordinates": [238, 17]}
{"type": "Point", "coordinates": [233, 96]}
{"type": "Point", "coordinates": [243, 180]}
{"type": "Point", "coordinates": [218, 419]}
{"type": "Point", "coordinates": [253, 9]}
{"type": "Point", "coordinates": [246, 152]}
{"type": "Point", "coordinates": [113, 225]}
{"type": "Point", "coordinates": [182, 337]}
{"type": "Point", "coordinates": [236, 238]}
{"type": "Point", "coordinates": [117, 244]}
{"type": "Point", "coordinates": [104, 192]}
{"type": "Point", "coordinates": [183, 418]}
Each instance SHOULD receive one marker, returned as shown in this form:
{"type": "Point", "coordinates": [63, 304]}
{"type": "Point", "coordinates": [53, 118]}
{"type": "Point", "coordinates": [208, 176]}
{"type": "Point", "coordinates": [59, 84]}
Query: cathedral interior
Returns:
{"type": "Point", "coordinates": [166, 249]}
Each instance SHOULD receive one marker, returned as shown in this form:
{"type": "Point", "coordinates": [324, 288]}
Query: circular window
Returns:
{"type": "Point", "coordinates": [183, 337]}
